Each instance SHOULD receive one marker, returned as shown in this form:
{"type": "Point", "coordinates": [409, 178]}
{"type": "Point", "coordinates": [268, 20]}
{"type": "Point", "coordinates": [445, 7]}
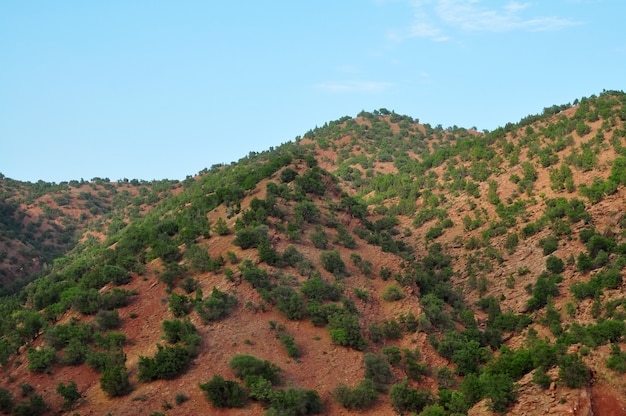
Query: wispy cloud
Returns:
{"type": "Point", "coordinates": [435, 19]}
{"type": "Point", "coordinates": [353, 86]}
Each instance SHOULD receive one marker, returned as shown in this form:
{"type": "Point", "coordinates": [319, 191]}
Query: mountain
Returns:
{"type": "Point", "coordinates": [375, 265]}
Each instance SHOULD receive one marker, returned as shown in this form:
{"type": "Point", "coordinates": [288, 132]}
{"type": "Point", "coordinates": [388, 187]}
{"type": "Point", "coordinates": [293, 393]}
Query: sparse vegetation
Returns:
{"type": "Point", "coordinates": [459, 225]}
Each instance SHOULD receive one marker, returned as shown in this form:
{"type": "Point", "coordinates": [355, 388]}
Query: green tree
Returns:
{"type": "Point", "coordinates": [377, 369]}
{"type": "Point", "coordinates": [407, 399]}
{"type": "Point", "coordinates": [344, 330]}
{"type": "Point", "coordinates": [115, 382]}
{"type": "Point", "coordinates": [69, 393]}
{"type": "Point", "coordinates": [167, 363]}
{"type": "Point", "coordinates": [245, 365]}
{"type": "Point", "coordinates": [224, 393]}
{"type": "Point", "coordinates": [361, 397]}
{"type": "Point", "coordinates": [573, 371]}
{"type": "Point", "coordinates": [6, 400]}
{"type": "Point", "coordinates": [220, 227]}
{"type": "Point", "coordinates": [499, 388]}
{"type": "Point", "coordinates": [332, 262]}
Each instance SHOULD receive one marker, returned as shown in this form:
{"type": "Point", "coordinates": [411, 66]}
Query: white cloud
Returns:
{"type": "Point", "coordinates": [353, 86]}
{"type": "Point", "coordinates": [435, 19]}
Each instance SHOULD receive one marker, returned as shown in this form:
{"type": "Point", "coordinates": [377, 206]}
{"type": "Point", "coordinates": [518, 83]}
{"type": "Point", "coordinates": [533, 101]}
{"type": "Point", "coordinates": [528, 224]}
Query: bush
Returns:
{"type": "Point", "coordinates": [499, 388]}
{"type": "Point", "coordinates": [180, 305]}
{"type": "Point", "coordinates": [115, 381]}
{"type": "Point", "coordinates": [107, 320]}
{"type": "Point", "coordinates": [544, 288]}
{"type": "Point", "coordinates": [177, 330]}
{"type": "Point", "coordinates": [287, 175]}
{"type": "Point", "coordinates": [259, 389]}
{"type": "Point", "coordinates": [392, 354]}
{"type": "Point", "coordinates": [392, 293]}
{"type": "Point", "coordinates": [295, 401]}
{"type": "Point", "coordinates": [344, 330]}
{"type": "Point", "coordinates": [69, 393]}
{"type": "Point", "coordinates": [332, 262]}
{"type": "Point", "coordinates": [554, 265]}
{"type": "Point", "coordinates": [34, 407]}
{"type": "Point", "coordinates": [224, 393]}
{"type": "Point", "coordinates": [289, 302]}
{"type": "Point", "coordinates": [248, 365]}
{"type": "Point", "coordinates": [573, 371]}
{"type": "Point", "coordinates": [290, 345]}
{"type": "Point", "coordinates": [167, 363]}
{"type": "Point", "coordinates": [41, 360]}
{"type": "Point", "coordinates": [360, 397]}
{"type": "Point", "coordinates": [377, 369]}
{"type": "Point", "coordinates": [316, 288]}
{"type": "Point", "coordinates": [319, 238]}
{"type": "Point", "coordinates": [6, 400]}
{"type": "Point", "coordinates": [306, 211]}
{"type": "Point", "coordinates": [617, 360]}
{"type": "Point", "coordinates": [549, 244]}
{"type": "Point", "coordinates": [406, 399]}
{"type": "Point", "coordinates": [216, 307]}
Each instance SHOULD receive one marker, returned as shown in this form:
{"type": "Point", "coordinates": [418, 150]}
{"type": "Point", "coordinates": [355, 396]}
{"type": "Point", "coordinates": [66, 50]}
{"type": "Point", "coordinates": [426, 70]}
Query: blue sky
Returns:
{"type": "Point", "coordinates": [163, 89]}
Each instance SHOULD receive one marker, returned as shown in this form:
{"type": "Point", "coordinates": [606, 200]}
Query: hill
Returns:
{"type": "Point", "coordinates": [375, 265]}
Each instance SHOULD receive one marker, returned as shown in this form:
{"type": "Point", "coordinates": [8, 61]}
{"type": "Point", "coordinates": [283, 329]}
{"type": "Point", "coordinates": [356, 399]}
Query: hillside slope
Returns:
{"type": "Point", "coordinates": [374, 266]}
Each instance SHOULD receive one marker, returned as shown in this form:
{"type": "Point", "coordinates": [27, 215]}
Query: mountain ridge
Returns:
{"type": "Point", "coordinates": [371, 243]}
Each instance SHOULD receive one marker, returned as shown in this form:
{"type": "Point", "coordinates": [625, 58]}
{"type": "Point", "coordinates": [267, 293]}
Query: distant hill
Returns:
{"type": "Point", "coordinates": [375, 265]}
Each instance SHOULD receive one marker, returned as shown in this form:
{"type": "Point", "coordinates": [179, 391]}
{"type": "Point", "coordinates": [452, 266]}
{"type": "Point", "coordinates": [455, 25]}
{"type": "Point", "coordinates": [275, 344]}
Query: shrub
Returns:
{"type": "Point", "coordinates": [512, 240]}
{"type": "Point", "coordinates": [259, 389]}
{"type": "Point", "coordinates": [180, 305]}
{"type": "Point", "coordinates": [392, 293]}
{"type": "Point", "coordinates": [181, 398]}
{"type": "Point", "coordinates": [291, 256]}
{"type": "Point", "coordinates": [549, 244]}
{"type": "Point", "coordinates": [115, 381]}
{"type": "Point", "coordinates": [319, 238]}
{"type": "Point", "coordinates": [344, 330]}
{"type": "Point", "coordinates": [555, 265]}
{"type": "Point", "coordinates": [295, 401]}
{"type": "Point", "coordinates": [392, 329]}
{"type": "Point", "coordinates": [287, 175]}
{"type": "Point", "coordinates": [216, 307]}
{"type": "Point", "coordinates": [392, 354]}
{"type": "Point", "coordinates": [167, 363]}
{"type": "Point", "coordinates": [316, 288]}
{"type": "Point", "coordinates": [332, 262]}
{"type": "Point", "coordinates": [544, 288]}
{"type": "Point", "coordinates": [248, 365]}
{"type": "Point", "coordinates": [289, 302]}
{"type": "Point", "coordinates": [290, 344]}
{"type": "Point", "coordinates": [69, 393]}
{"type": "Point", "coordinates": [617, 359]}
{"type": "Point", "coordinates": [415, 369]}
{"type": "Point", "coordinates": [377, 369]}
{"type": "Point", "coordinates": [34, 407]}
{"type": "Point", "coordinates": [542, 379]}
{"type": "Point", "coordinates": [220, 227]}
{"type": "Point", "coordinates": [41, 360]}
{"type": "Point", "coordinates": [177, 330]}
{"type": "Point", "coordinates": [406, 399]}
{"type": "Point", "coordinates": [573, 371]}
{"type": "Point", "coordinates": [499, 388]}
{"type": "Point", "coordinates": [224, 393]}
{"type": "Point", "coordinates": [360, 397]}
{"type": "Point", "coordinates": [306, 211]}
{"type": "Point", "coordinates": [107, 320]}
{"type": "Point", "coordinates": [6, 400]}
